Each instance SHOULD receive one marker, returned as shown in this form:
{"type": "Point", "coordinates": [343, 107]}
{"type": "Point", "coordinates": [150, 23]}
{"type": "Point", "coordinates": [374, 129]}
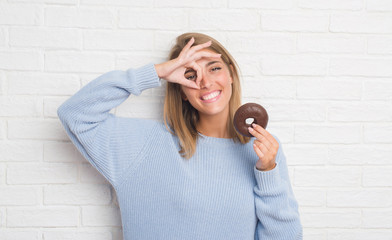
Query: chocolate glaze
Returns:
{"type": "Point", "coordinates": [249, 110]}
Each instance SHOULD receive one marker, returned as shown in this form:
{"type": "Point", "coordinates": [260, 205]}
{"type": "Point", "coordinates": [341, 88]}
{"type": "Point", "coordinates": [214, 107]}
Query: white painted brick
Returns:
{"type": "Point", "coordinates": [153, 19]}
{"type": "Point", "coordinates": [300, 111]}
{"type": "Point", "coordinates": [43, 217]}
{"type": "Point", "coordinates": [327, 43]}
{"type": "Point", "coordinates": [357, 198]}
{"type": "Point", "coordinates": [361, 67]}
{"type": "Point", "coordinates": [2, 177]}
{"type": "Point", "coordinates": [361, 154]}
{"type": "Point", "coordinates": [377, 133]}
{"type": "Point", "coordinates": [21, 60]}
{"type": "Point", "coordinates": [43, 37]}
{"type": "Point", "coordinates": [331, 4]}
{"type": "Point", "coordinates": [379, 5]}
{"type": "Point", "coordinates": [377, 89]}
{"type": "Point", "coordinates": [327, 176]}
{"type": "Point", "coordinates": [361, 23]}
{"type": "Point", "coordinates": [51, 105]}
{"type": "Point", "coordinates": [20, 106]}
{"type": "Point", "coordinates": [82, 17]}
{"type": "Point", "coordinates": [138, 59]}
{"type": "Point", "coordinates": [88, 174]}
{"type": "Point", "coordinates": [360, 112]}
{"type": "Point", "coordinates": [378, 177]}
{"type": "Point", "coordinates": [100, 216]}
{"type": "Point", "coordinates": [20, 83]}
{"type": "Point", "coordinates": [190, 4]}
{"type": "Point", "coordinates": [133, 3]}
{"type": "Point", "coordinates": [294, 65]}
{"type": "Point", "coordinates": [62, 2]}
{"type": "Point", "coordinates": [327, 134]}
{"type": "Point", "coordinates": [284, 131]}
{"type": "Point", "coordinates": [303, 22]}
{"type": "Point", "coordinates": [379, 44]}
{"type": "Point", "coordinates": [2, 83]}
{"type": "Point", "coordinates": [329, 88]}
{"type": "Point", "coordinates": [358, 234]}
{"type": "Point", "coordinates": [230, 20]}
{"type": "Point", "coordinates": [331, 218]}
{"type": "Point", "coordinates": [21, 151]}
{"type": "Point", "coordinates": [310, 197]}
{"type": "Point", "coordinates": [3, 130]}
{"type": "Point", "coordinates": [42, 173]}
{"type": "Point", "coordinates": [377, 218]}
{"type": "Point", "coordinates": [19, 235]}
{"type": "Point", "coordinates": [306, 154]}
{"type": "Point", "coordinates": [20, 14]}
{"type": "Point", "coordinates": [61, 152]}
{"type": "Point", "coordinates": [249, 64]}
{"type": "Point", "coordinates": [263, 4]}
{"type": "Point", "coordinates": [77, 194]}
{"type": "Point", "coordinates": [36, 129]}
{"type": "Point", "coordinates": [78, 62]}
{"type": "Point", "coordinates": [269, 87]}
{"type": "Point", "coordinates": [17, 195]}
{"type": "Point", "coordinates": [117, 234]}
{"type": "Point", "coordinates": [3, 37]}
{"type": "Point", "coordinates": [77, 235]}
{"type": "Point", "coordinates": [118, 40]}
{"type": "Point", "coordinates": [314, 233]}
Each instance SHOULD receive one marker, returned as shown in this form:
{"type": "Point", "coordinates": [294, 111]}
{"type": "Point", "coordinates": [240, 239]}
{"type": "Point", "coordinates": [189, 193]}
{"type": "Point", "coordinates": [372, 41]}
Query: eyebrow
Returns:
{"type": "Point", "coordinates": [210, 63]}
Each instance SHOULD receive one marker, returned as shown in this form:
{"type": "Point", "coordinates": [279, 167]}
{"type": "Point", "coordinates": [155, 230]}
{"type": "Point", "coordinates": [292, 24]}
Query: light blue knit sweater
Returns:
{"type": "Point", "coordinates": [217, 194]}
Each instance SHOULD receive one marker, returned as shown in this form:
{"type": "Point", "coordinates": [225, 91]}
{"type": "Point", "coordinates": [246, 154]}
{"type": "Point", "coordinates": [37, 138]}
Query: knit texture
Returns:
{"type": "Point", "coordinates": [217, 194]}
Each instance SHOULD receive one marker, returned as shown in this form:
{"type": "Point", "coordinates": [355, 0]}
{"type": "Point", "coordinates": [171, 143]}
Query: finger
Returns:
{"type": "Point", "coordinates": [200, 46]}
{"type": "Point", "coordinates": [190, 84]}
{"type": "Point", "coordinates": [188, 45]}
{"type": "Point", "coordinates": [259, 153]}
{"type": "Point", "coordinates": [199, 73]}
{"type": "Point", "coordinates": [204, 54]}
{"type": "Point", "coordinates": [266, 134]}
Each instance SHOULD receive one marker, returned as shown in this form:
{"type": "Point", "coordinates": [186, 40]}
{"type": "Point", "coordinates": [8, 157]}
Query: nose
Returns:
{"type": "Point", "coordinates": [206, 81]}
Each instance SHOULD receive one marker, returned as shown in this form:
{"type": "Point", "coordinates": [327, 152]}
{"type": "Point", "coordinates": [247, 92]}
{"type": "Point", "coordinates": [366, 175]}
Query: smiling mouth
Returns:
{"type": "Point", "coordinates": [211, 96]}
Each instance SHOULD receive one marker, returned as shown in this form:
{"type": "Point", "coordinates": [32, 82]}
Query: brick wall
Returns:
{"type": "Point", "coordinates": [323, 70]}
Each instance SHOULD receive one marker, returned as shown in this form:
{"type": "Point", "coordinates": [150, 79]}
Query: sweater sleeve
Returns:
{"type": "Point", "coordinates": [276, 207]}
{"type": "Point", "coordinates": [111, 144]}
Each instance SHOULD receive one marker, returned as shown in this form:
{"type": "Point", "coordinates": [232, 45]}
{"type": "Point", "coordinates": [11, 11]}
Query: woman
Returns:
{"type": "Point", "coordinates": [193, 177]}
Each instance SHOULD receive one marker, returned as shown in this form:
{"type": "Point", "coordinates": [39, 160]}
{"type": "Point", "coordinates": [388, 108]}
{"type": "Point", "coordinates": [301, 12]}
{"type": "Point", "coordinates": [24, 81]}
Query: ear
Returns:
{"type": "Point", "coordinates": [183, 96]}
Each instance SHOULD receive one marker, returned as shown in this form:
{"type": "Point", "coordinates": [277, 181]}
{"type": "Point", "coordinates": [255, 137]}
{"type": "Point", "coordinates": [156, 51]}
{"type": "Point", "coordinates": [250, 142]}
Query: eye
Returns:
{"type": "Point", "coordinates": [215, 69]}
{"type": "Point", "coordinates": [190, 75]}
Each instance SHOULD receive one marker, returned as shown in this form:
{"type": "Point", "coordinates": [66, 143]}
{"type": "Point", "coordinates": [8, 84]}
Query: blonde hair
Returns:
{"type": "Point", "coordinates": [180, 116]}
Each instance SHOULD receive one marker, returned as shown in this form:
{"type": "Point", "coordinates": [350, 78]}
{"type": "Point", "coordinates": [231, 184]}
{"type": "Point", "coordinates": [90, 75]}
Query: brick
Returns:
{"type": "Point", "coordinates": [43, 217]}
{"type": "Point", "coordinates": [152, 19]}
{"type": "Point", "coordinates": [266, 4]}
{"type": "Point", "coordinates": [79, 17]}
{"type": "Point", "coordinates": [3, 37]}
{"type": "Point", "coordinates": [62, 2]}
{"type": "Point", "coordinates": [21, 60]}
{"type": "Point", "coordinates": [225, 20]}
{"type": "Point", "coordinates": [88, 174]}
{"type": "Point", "coordinates": [118, 40]}
{"type": "Point", "coordinates": [20, 83]}
{"type": "Point", "coordinates": [249, 65]}
{"type": "Point", "coordinates": [77, 235]}
{"type": "Point", "coordinates": [190, 4]}
{"type": "Point", "coordinates": [360, 67]}
{"type": "Point", "coordinates": [61, 152]}
{"type": "Point", "coordinates": [296, 112]}
{"type": "Point", "coordinates": [364, 198]}
{"type": "Point", "coordinates": [42, 173]}
{"type": "Point", "coordinates": [51, 104]}
{"type": "Point", "coordinates": [377, 133]}
{"type": "Point", "coordinates": [2, 177]}
{"type": "Point", "coordinates": [21, 14]}
{"type": "Point", "coordinates": [45, 37]}
{"type": "Point", "coordinates": [36, 129]}
{"type": "Point", "coordinates": [377, 89]}
{"type": "Point", "coordinates": [294, 22]}
{"type": "Point", "coordinates": [361, 23]}
{"type": "Point", "coordinates": [77, 194]}
{"type": "Point", "coordinates": [20, 106]}
{"type": "Point", "coordinates": [353, 5]}
{"type": "Point", "coordinates": [327, 134]}
{"type": "Point", "coordinates": [294, 65]}
{"type": "Point", "coordinates": [379, 44]}
{"type": "Point", "coordinates": [3, 130]}
{"type": "Point", "coordinates": [21, 151]}
{"type": "Point", "coordinates": [326, 43]}
{"type": "Point", "coordinates": [338, 88]}
{"type": "Point", "coordinates": [379, 5]}
{"type": "Point", "coordinates": [380, 176]}
{"type": "Point", "coordinates": [361, 154]}
{"type": "Point", "coordinates": [315, 154]}
{"type": "Point", "coordinates": [327, 176]}
{"type": "Point", "coordinates": [137, 59]}
{"type": "Point", "coordinates": [360, 112]}
{"type": "Point", "coordinates": [133, 3]}
{"type": "Point", "coordinates": [18, 195]}
{"type": "Point", "coordinates": [359, 234]}
{"type": "Point", "coordinates": [270, 87]}
{"type": "Point", "coordinates": [78, 62]}
{"type": "Point", "coordinates": [100, 216]}
{"type": "Point", "coordinates": [3, 81]}
{"type": "Point", "coordinates": [19, 235]}
{"type": "Point", "coordinates": [331, 218]}
{"type": "Point", "coordinates": [311, 197]}
{"type": "Point", "coordinates": [377, 218]}
{"type": "Point", "coordinates": [315, 233]}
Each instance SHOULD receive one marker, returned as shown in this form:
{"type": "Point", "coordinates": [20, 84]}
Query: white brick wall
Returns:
{"type": "Point", "coordinates": [321, 68]}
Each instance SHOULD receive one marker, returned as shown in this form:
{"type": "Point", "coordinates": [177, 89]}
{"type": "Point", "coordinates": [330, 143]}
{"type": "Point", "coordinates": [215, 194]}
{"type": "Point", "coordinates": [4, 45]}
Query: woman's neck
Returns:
{"type": "Point", "coordinates": [213, 126]}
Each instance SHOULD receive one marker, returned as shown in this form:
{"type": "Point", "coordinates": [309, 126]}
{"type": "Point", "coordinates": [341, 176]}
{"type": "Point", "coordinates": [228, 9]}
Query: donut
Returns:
{"type": "Point", "coordinates": [249, 110]}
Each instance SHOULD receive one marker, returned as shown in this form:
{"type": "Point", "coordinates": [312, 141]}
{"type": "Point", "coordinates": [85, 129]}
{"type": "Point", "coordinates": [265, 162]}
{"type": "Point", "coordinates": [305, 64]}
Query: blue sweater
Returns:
{"type": "Point", "coordinates": [217, 194]}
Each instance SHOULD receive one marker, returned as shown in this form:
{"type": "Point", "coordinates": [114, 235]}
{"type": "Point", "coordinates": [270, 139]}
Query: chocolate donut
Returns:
{"type": "Point", "coordinates": [249, 110]}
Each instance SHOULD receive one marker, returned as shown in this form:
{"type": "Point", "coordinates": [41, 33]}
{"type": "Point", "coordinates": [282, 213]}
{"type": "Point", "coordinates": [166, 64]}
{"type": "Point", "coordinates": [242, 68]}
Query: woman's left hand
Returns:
{"type": "Point", "coordinates": [265, 146]}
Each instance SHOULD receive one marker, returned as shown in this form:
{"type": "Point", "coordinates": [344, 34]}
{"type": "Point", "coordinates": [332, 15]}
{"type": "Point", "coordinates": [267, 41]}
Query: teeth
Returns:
{"type": "Point", "coordinates": [211, 95]}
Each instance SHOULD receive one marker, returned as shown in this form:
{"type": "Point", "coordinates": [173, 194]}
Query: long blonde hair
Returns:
{"type": "Point", "coordinates": [180, 116]}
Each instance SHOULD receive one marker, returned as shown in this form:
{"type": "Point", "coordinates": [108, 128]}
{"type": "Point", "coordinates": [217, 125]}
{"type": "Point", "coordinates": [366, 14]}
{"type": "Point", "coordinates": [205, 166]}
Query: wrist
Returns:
{"type": "Point", "coordinates": [266, 168]}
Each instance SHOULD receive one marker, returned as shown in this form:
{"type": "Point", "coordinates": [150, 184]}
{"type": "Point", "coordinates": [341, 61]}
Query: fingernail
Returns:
{"type": "Point", "coordinates": [253, 125]}
{"type": "Point", "coordinates": [250, 129]}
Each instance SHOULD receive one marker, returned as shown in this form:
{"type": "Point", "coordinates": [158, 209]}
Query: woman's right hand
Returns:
{"type": "Point", "coordinates": [174, 70]}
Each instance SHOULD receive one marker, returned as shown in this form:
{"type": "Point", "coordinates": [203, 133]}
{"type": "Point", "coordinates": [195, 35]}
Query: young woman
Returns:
{"type": "Point", "coordinates": [193, 176]}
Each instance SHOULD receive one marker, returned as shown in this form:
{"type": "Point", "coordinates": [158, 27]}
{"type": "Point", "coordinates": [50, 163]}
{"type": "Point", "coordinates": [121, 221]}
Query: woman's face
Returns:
{"type": "Point", "coordinates": [215, 87]}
